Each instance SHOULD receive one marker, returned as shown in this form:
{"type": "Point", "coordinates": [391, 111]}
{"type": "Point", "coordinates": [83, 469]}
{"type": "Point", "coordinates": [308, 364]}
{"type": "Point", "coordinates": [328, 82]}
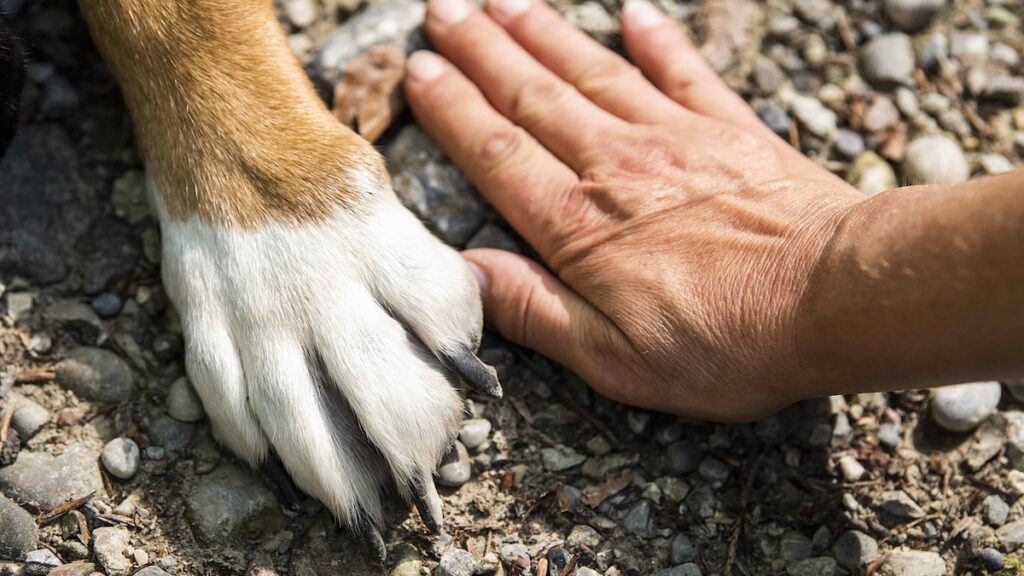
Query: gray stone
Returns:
{"type": "Point", "coordinates": [889, 436]}
{"type": "Point", "coordinates": [230, 501]}
{"type": "Point", "coordinates": [854, 549]}
{"type": "Point", "coordinates": [59, 98]}
{"type": "Point", "coordinates": [121, 457]}
{"type": "Point", "coordinates": [516, 555]}
{"type": "Point", "coordinates": [683, 549]}
{"type": "Point", "coordinates": [900, 505]}
{"type": "Point", "coordinates": [991, 559]}
{"type": "Point", "coordinates": [407, 560]}
{"type": "Point", "coordinates": [183, 404]}
{"type": "Point", "coordinates": [702, 501]}
{"type": "Point", "coordinates": [107, 304]}
{"type": "Point", "coordinates": [493, 236]}
{"type": "Point", "coordinates": [767, 76]}
{"type": "Point", "coordinates": [40, 562]}
{"type": "Point", "coordinates": [455, 468]}
{"type": "Point", "coordinates": [902, 562]}
{"type": "Point", "coordinates": [1009, 89]}
{"type": "Point", "coordinates": [1016, 388]}
{"type": "Point", "coordinates": [813, 115]}
{"type": "Point", "coordinates": [456, 562]}
{"type": "Point", "coordinates": [169, 433]}
{"type": "Point", "coordinates": [851, 469]}
{"type": "Point", "coordinates": [935, 160]}
{"type": "Point", "coordinates": [995, 510]}
{"type": "Point", "coordinates": [639, 520]}
{"type": "Point", "coordinates": [713, 470]}
{"type": "Point", "coordinates": [129, 197]}
{"type": "Point", "coordinates": [848, 144]}
{"type": "Point", "coordinates": [774, 118]}
{"type": "Point", "coordinates": [888, 59]}
{"type": "Point", "coordinates": [583, 535]}
{"type": "Point", "coordinates": [49, 481]}
{"type": "Point", "coordinates": [79, 569]}
{"type": "Point", "coordinates": [96, 374]}
{"type": "Point", "coordinates": [871, 174]}
{"type": "Point", "coordinates": [74, 316]}
{"type": "Point", "coordinates": [794, 546]}
{"type": "Point", "coordinates": [912, 15]}
{"type": "Point", "coordinates": [683, 457]}
{"type": "Point", "coordinates": [18, 531]}
{"type": "Point", "coordinates": [560, 458]}
{"type": "Point", "coordinates": [109, 545]}
{"type": "Point", "coordinates": [819, 566]}
{"type": "Point", "coordinates": [994, 164]}
{"type": "Point", "coordinates": [962, 407]}
{"type": "Point", "coordinates": [474, 432]}
{"type": "Point", "coordinates": [1011, 535]}
{"type": "Point", "coordinates": [73, 550]}
{"type": "Point", "coordinates": [29, 417]}
{"type": "Point", "coordinates": [688, 569]}
{"type": "Point", "coordinates": [300, 13]}
{"type": "Point", "coordinates": [395, 22]}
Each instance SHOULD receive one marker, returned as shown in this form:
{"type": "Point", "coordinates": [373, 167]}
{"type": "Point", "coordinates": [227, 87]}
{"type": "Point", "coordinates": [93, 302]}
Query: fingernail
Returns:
{"type": "Point", "coordinates": [424, 66]}
{"type": "Point", "coordinates": [448, 11]}
{"type": "Point", "coordinates": [481, 277]}
{"type": "Point", "coordinates": [505, 9]}
{"type": "Point", "coordinates": [642, 14]}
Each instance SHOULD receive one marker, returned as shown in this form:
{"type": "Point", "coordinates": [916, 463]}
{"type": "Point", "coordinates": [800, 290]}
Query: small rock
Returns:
{"type": "Point", "coordinates": [59, 98]}
{"type": "Point", "coordinates": [1011, 535]}
{"type": "Point", "coordinates": [109, 545]}
{"type": "Point", "coordinates": [583, 535]}
{"type": "Point", "coordinates": [871, 174]}
{"type": "Point", "coordinates": [455, 468]}
{"type": "Point", "coordinates": [560, 458]}
{"type": "Point", "coordinates": [935, 160]}
{"type": "Point", "coordinates": [813, 115]}
{"type": "Point", "coordinates": [902, 562]}
{"type": "Point", "coordinates": [151, 571]}
{"type": "Point", "coordinates": [474, 432]}
{"type": "Point", "coordinates": [889, 436]}
{"type": "Point", "coordinates": [688, 569]}
{"type": "Point", "coordinates": [491, 235]}
{"type": "Point", "coordinates": [121, 457]}
{"type": "Point", "coordinates": [40, 562]}
{"type": "Point", "coordinates": [29, 417]}
{"type": "Point", "coordinates": [394, 22]}
{"type": "Point", "coordinates": [96, 374]}
{"type": "Point", "coordinates": [852, 469]}
{"type": "Point", "coordinates": [19, 305]}
{"type": "Point", "coordinates": [638, 519]}
{"type": "Point", "coordinates": [995, 510]}
{"type": "Point", "coordinates": [73, 550]}
{"type": "Point", "coordinates": [74, 316]}
{"type": "Point", "coordinates": [183, 404]}
{"type": "Point", "coordinates": [990, 559]}
{"type": "Point", "coordinates": [300, 13]}
{"type": "Point", "coordinates": [848, 144]}
{"type": "Point", "coordinates": [854, 549]}
{"type": "Point", "coordinates": [169, 433]}
{"type": "Point", "coordinates": [767, 76]}
{"type": "Point", "coordinates": [714, 470]}
{"type": "Point", "coordinates": [683, 549]}
{"type": "Point", "coordinates": [18, 531]}
{"type": "Point", "coordinates": [407, 561]}
{"type": "Point", "coordinates": [456, 562]}
{"type": "Point", "coordinates": [820, 566]}
{"type": "Point", "coordinates": [794, 546]}
{"type": "Point", "coordinates": [230, 501]}
{"type": "Point", "coordinates": [881, 114]}
{"type": "Point", "coordinates": [129, 197]}
{"type": "Point", "coordinates": [994, 164]}
{"type": "Point", "coordinates": [774, 118]}
{"type": "Point", "coordinates": [683, 457]}
{"type": "Point", "coordinates": [49, 481]}
{"type": "Point", "coordinates": [107, 304]}
{"type": "Point", "coordinates": [962, 407]}
{"type": "Point", "coordinates": [900, 505]}
{"type": "Point", "coordinates": [80, 569]}
{"type": "Point", "coordinates": [516, 555]}
{"type": "Point", "coordinates": [1009, 89]}
{"type": "Point", "coordinates": [912, 15]}
{"type": "Point", "coordinates": [888, 59]}
{"type": "Point", "coordinates": [813, 11]}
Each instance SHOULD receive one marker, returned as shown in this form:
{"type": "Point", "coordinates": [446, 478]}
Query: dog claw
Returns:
{"type": "Point", "coordinates": [291, 494]}
{"type": "Point", "coordinates": [427, 502]}
{"type": "Point", "coordinates": [371, 536]}
{"type": "Point", "coordinates": [479, 376]}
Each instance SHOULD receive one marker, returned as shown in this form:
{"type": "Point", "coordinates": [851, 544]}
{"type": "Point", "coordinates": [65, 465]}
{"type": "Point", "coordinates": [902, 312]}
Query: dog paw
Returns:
{"type": "Point", "coordinates": [336, 345]}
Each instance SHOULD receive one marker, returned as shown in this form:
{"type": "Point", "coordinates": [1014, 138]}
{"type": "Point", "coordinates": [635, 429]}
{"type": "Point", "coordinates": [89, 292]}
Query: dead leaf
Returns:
{"type": "Point", "coordinates": [368, 97]}
{"type": "Point", "coordinates": [595, 494]}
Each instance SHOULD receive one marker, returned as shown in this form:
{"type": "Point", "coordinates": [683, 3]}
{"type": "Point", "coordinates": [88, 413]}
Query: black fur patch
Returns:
{"type": "Point", "coordinates": [12, 75]}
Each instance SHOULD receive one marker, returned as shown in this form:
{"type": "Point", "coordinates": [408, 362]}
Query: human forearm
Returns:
{"type": "Point", "coordinates": [921, 286]}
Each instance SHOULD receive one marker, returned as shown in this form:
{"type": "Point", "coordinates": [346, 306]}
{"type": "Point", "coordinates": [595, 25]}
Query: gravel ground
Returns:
{"type": "Point", "coordinates": [109, 467]}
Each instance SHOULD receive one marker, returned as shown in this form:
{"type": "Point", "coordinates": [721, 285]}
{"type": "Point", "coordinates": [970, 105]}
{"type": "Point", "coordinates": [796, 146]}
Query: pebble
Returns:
{"type": "Point", "coordinates": [900, 505]}
{"type": "Point", "coordinates": [74, 316]}
{"type": "Point", "coordinates": [854, 549]}
{"type": "Point", "coordinates": [995, 510]}
{"type": "Point", "coordinates": [109, 545]}
{"type": "Point", "coordinates": [683, 549]}
{"type": "Point", "coordinates": [902, 562]}
{"type": "Point", "coordinates": [848, 144]}
{"type": "Point", "coordinates": [18, 531]}
{"type": "Point", "coordinates": [455, 468]}
{"type": "Point", "coordinates": [820, 566]}
{"type": "Point", "coordinates": [121, 457]}
{"type": "Point", "coordinates": [474, 432]}
{"type": "Point", "coordinates": [107, 304]}
{"type": "Point", "coordinates": [935, 160]}
{"type": "Point", "coordinates": [49, 481]}
{"type": "Point", "coordinates": [767, 76]}
{"type": "Point", "coordinates": [889, 436]}
{"type": "Point", "coordinates": [59, 98]}
{"type": "Point", "coordinates": [683, 457]}
{"type": "Point", "coordinates": [871, 174]}
{"type": "Point", "coordinates": [673, 488]}
{"type": "Point", "coordinates": [40, 562]}
{"type": "Point", "coordinates": [491, 235]}
{"type": "Point", "coordinates": [852, 469]}
{"type": "Point", "coordinates": [29, 417]}
{"type": "Point", "coordinates": [407, 560]}
{"type": "Point", "coordinates": [389, 22]}
{"type": "Point", "coordinates": [1008, 89]}
{"type": "Point", "coordinates": [1016, 388]}
{"type": "Point", "coordinates": [1011, 535]}
{"type": "Point", "coordinates": [813, 11]}
{"type": "Point", "coordinates": [151, 571]}
{"type": "Point", "coordinates": [714, 470]}
{"type": "Point", "coordinates": [300, 13]}
{"type": "Point", "coordinates": [881, 114]}
{"type": "Point", "coordinates": [638, 520]}
{"type": "Point", "coordinates": [994, 164]}
{"type": "Point", "coordinates": [912, 15]}
{"type": "Point", "coordinates": [560, 458]}
{"type": "Point", "coordinates": [456, 562]}
{"type": "Point", "coordinates": [688, 569]}
{"type": "Point", "coordinates": [517, 556]}
{"type": "Point", "coordinates": [83, 569]}
{"type": "Point", "coordinates": [583, 535]}
{"type": "Point", "coordinates": [183, 404]}
{"type": "Point", "coordinates": [990, 559]}
{"type": "Point", "coordinates": [169, 433]}
{"type": "Point", "coordinates": [962, 407]}
{"type": "Point", "coordinates": [813, 115]}
{"type": "Point", "coordinates": [429, 185]}
{"type": "Point", "coordinates": [129, 197]}
{"type": "Point", "coordinates": [96, 374]}
{"type": "Point", "coordinates": [794, 546]}
{"type": "Point", "coordinates": [888, 59]}
{"type": "Point", "coordinates": [230, 501]}
{"type": "Point", "coordinates": [774, 118]}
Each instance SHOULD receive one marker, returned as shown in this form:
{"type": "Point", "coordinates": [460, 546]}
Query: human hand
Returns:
{"type": "Point", "coordinates": [679, 232]}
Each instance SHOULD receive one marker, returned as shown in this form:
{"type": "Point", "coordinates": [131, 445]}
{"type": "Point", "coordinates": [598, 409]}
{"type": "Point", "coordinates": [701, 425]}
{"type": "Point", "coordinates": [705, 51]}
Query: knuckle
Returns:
{"type": "Point", "coordinates": [607, 75]}
{"type": "Point", "coordinates": [499, 147]}
{"type": "Point", "coordinates": [536, 99]}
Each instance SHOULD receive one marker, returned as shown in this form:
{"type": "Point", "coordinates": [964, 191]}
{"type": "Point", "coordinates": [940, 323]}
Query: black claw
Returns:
{"type": "Point", "coordinates": [371, 536]}
{"type": "Point", "coordinates": [419, 499]}
{"type": "Point", "coordinates": [480, 376]}
{"type": "Point", "coordinates": [274, 470]}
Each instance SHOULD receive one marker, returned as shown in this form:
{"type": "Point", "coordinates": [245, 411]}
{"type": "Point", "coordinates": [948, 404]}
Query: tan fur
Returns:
{"type": "Point", "coordinates": [229, 126]}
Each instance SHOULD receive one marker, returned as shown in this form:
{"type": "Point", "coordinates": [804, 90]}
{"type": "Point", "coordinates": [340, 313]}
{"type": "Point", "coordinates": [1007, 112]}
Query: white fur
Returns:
{"type": "Point", "coordinates": [263, 309]}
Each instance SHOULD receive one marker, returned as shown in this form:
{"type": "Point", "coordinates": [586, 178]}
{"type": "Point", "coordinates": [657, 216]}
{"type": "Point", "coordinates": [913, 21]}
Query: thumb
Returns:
{"type": "Point", "coordinates": [531, 307]}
